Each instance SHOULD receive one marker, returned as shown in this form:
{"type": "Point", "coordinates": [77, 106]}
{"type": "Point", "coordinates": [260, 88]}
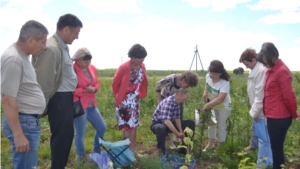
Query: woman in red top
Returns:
{"type": "Point", "coordinates": [88, 85]}
{"type": "Point", "coordinates": [129, 85]}
{"type": "Point", "coordinates": [279, 104]}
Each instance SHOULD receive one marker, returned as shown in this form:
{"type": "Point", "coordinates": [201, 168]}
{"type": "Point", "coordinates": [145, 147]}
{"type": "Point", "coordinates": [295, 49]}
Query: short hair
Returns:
{"type": "Point", "coordinates": [33, 29]}
{"type": "Point", "coordinates": [248, 55]}
{"type": "Point", "coordinates": [181, 91]}
{"type": "Point", "coordinates": [190, 78]}
{"type": "Point", "coordinates": [137, 51]}
{"type": "Point", "coordinates": [216, 66]}
{"type": "Point", "coordinates": [68, 20]}
{"type": "Point", "coordinates": [267, 53]}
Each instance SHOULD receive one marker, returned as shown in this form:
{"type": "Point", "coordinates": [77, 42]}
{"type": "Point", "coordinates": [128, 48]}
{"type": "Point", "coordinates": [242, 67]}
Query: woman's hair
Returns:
{"type": "Point", "coordinates": [248, 55]}
{"type": "Point", "coordinates": [267, 53]}
{"type": "Point", "coordinates": [190, 78]}
{"type": "Point", "coordinates": [216, 66]}
{"type": "Point", "coordinates": [137, 51]}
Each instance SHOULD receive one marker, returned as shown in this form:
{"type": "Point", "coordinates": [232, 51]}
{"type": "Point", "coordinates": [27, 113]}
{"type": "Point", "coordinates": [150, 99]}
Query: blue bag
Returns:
{"type": "Point", "coordinates": [119, 152]}
{"type": "Point", "coordinates": [261, 130]}
{"type": "Point", "coordinates": [102, 160]}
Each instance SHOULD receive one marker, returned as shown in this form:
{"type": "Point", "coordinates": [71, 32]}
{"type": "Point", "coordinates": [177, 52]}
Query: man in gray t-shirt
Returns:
{"type": "Point", "coordinates": [22, 98]}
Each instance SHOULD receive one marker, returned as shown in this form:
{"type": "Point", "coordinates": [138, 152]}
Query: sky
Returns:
{"type": "Point", "coordinates": [170, 30]}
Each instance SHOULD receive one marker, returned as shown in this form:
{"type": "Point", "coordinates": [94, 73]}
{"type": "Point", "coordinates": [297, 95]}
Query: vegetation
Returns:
{"type": "Point", "coordinates": [229, 155]}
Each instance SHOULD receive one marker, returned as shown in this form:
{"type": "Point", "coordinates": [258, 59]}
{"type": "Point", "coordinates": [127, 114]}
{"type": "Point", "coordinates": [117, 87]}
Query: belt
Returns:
{"type": "Point", "coordinates": [33, 115]}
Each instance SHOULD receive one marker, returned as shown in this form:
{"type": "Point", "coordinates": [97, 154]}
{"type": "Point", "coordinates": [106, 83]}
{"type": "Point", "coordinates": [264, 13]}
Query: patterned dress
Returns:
{"type": "Point", "coordinates": [128, 111]}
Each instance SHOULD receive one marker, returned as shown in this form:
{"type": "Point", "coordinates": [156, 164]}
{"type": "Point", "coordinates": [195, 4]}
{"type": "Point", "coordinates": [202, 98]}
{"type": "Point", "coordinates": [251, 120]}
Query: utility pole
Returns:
{"type": "Point", "coordinates": [196, 55]}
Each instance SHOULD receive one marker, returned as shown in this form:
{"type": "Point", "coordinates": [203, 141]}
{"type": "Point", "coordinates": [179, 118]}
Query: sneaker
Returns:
{"type": "Point", "coordinates": [249, 148]}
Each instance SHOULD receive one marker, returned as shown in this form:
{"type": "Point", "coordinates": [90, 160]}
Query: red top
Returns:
{"type": "Point", "coordinates": [84, 82]}
{"type": "Point", "coordinates": [121, 82]}
{"type": "Point", "coordinates": [280, 99]}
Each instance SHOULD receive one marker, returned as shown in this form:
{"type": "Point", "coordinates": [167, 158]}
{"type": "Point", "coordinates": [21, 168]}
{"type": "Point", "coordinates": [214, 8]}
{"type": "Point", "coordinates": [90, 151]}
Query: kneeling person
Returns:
{"type": "Point", "coordinates": [166, 118]}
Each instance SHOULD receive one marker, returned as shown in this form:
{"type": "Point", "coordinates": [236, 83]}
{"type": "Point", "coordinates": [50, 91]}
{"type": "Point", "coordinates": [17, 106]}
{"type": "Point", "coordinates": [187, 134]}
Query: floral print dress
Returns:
{"type": "Point", "coordinates": [128, 111]}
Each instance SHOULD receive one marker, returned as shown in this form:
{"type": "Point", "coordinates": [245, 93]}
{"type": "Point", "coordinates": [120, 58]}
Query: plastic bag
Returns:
{"type": "Point", "coordinates": [102, 160]}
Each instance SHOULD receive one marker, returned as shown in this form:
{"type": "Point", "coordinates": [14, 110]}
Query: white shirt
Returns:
{"type": "Point", "coordinates": [214, 89]}
{"type": "Point", "coordinates": [255, 89]}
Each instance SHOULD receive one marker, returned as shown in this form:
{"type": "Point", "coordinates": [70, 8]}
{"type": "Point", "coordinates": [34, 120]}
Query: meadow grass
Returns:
{"type": "Point", "coordinates": [230, 155]}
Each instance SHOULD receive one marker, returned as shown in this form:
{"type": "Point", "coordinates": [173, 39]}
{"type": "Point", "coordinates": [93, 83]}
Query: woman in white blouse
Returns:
{"type": "Point", "coordinates": [255, 90]}
{"type": "Point", "coordinates": [216, 94]}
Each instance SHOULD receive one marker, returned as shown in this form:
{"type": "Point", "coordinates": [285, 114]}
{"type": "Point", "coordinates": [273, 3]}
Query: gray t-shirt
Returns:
{"type": "Point", "coordinates": [69, 79]}
{"type": "Point", "coordinates": [18, 79]}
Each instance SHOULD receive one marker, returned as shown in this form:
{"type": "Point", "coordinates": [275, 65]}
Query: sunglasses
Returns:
{"type": "Point", "coordinates": [87, 57]}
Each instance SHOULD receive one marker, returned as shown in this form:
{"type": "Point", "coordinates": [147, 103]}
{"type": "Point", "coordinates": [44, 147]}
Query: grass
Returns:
{"type": "Point", "coordinates": [226, 156]}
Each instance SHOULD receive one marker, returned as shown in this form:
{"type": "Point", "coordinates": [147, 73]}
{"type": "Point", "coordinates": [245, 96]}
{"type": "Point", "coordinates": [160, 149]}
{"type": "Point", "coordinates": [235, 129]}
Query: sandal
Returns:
{"type": "Point", "coordinates": [208, 147]}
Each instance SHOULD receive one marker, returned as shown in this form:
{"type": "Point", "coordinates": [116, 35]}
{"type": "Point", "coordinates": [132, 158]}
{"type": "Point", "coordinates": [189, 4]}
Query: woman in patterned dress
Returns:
{"type": "Point", "coordinates": [129, 85]}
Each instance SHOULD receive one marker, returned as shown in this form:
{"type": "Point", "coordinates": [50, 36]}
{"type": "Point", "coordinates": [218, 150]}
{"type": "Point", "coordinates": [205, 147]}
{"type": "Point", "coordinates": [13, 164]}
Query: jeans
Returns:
{"type": "Point", "coordinates": [93, 115]}
{"type": "Point", "coordinates": [277, 129]}
{"type": "Point", "coordinates": [161, 131]}
{"type": "Point", "coordinates": [31, 129]}
{"type": "Point", "coordinates": [254, 140]}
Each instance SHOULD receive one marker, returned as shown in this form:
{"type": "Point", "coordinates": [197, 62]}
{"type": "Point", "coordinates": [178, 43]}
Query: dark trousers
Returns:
{"type": "Point", "coordinates": [277, 129]}
{"type": "Point", "coordinates": [60, 116]}
{"type": "Point", "coordinates": [161, 131]}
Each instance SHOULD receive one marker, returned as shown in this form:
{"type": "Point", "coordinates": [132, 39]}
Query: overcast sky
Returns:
{"type": "Point", "coordinates": [168, 29]}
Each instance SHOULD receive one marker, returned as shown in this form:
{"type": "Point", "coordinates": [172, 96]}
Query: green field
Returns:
{"type": "Point", "coordinates": [230, 155]}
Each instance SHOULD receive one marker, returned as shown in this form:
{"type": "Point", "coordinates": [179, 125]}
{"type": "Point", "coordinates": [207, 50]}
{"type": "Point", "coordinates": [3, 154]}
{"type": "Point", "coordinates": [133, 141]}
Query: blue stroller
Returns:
{"type": "Point", "coordinates": [119, 152]}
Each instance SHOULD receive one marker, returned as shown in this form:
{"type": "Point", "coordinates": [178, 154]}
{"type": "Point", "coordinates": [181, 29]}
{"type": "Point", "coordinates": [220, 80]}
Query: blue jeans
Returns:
{"type": "Point", "coordinates": [93, 115]}
{"type": "Point", "coordinates": [31, 129]}
{"type": "Point", "coordinates": [277, 129]}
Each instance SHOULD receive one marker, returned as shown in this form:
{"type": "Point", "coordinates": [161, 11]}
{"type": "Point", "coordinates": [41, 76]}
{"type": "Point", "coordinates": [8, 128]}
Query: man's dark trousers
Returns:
{"type": "Point", "coordinates": [60, 116]}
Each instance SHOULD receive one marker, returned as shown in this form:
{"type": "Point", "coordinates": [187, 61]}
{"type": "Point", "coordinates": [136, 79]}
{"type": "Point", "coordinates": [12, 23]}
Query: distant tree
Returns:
{"type": "Point", "coordinates": [241, 70]}
{"type": "Point", "coordinates": [238, 70]}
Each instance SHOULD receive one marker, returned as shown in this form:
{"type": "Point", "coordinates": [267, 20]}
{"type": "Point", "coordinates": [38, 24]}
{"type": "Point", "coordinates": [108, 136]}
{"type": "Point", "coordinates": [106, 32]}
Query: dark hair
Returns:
{"type": "Point", "coordinates": [33, 29]}
{"type": "Point", "coordinates": [190, 78]}
{"type": "Point", "coordinates": [248, 55]}
{"type": "Point", "coordinates": [68, 20]}
{"type": "Point", "coordinates": [137, 51]}
{"type": "Point", "coordinates": [216, 66]}
{"type": "Point", "coordinates": [267, 53]}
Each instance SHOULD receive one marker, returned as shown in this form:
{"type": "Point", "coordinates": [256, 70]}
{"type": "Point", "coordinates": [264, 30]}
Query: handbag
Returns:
{"type": "Point", "coordinates": [77, 109]}
{"type": "Point", "coordinates": [261, 130]}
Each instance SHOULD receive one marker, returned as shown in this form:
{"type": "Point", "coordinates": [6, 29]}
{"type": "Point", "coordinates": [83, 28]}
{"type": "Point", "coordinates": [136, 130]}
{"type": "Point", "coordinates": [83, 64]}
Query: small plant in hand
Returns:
{"type": "Point", "coordinates": [188, 145]}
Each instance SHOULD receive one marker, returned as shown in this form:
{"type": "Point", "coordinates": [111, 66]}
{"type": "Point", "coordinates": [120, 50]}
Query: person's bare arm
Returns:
{"type": "Point", "coordinates": [169, 124]}
{"type": "Point", "coordinates": [12, 116]}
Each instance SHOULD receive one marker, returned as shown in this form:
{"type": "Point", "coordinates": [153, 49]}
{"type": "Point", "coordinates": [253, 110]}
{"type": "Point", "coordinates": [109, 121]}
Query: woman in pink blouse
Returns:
{"type": "Point", "coordinates": [87, 87]}
{"type": "Point", "coordinates": [129, 85]}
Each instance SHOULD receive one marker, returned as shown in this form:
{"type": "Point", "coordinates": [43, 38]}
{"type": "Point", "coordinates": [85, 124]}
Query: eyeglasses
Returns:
{"type": "Point", "coordinates": [87, 57]}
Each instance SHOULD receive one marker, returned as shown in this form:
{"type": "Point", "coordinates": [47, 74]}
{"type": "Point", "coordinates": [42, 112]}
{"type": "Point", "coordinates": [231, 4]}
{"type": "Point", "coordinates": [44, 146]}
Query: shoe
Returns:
{"type": "Point", "coordinates": [208, 147]}
{"type": "Point", "coordinates": [140, 155]}
{"type": "Point", "coordinates": [249, 148]}
{"type": "Point", "coordinates": [172, 146]}
{"type": "Point", "coordinates": [177, 140]}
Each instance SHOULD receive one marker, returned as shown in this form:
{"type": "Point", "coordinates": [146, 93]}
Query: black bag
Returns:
{"type": "Point", "coordinates": [77, 109]}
